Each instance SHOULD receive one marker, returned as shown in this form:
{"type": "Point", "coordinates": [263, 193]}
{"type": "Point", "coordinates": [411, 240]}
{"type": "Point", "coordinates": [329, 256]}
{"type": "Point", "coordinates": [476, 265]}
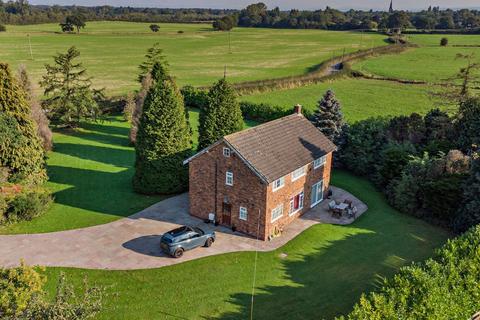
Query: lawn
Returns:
{"type": "Point", "coordinates": [112, 51]}
{"type": "Point", "coordinates": [326, 270]}
{"type": "Point", "coordinates": [429, 62]}
{"type": "Point", "coordinates": [360, 98]}
{"type": "Point", "coordinates": [90, 173]}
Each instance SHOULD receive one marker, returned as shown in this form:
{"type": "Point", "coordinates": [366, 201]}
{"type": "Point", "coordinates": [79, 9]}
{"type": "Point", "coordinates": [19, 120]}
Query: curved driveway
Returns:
{"type": "Point", "coordinates": [133, 242]}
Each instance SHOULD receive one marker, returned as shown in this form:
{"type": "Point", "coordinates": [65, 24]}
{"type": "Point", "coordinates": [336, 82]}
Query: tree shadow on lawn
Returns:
{"type": "Point", "coordinates": [328, 282]}
{"type": "Point", "coordinates": [98, 191]}
{"type": "Point", "coordinates": [124, 158]}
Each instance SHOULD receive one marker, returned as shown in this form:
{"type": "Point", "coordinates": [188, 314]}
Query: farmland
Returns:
{"type": "Point", "coordinates": [429, 62]}
{"type": "Point", "coordinates": [111, 51]}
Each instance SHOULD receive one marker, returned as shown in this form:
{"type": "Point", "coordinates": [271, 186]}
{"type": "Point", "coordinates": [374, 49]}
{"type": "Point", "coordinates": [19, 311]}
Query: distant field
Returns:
{"type": "Point", "coordinates": [430, 62]}
{"type": "Point", "coordinates": [111, 51]}
{"type": "Point", "coordinates": [360, 98]}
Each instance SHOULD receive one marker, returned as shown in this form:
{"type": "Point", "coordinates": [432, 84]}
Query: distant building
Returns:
{"type": "Point", "coordinates": [391, 7]}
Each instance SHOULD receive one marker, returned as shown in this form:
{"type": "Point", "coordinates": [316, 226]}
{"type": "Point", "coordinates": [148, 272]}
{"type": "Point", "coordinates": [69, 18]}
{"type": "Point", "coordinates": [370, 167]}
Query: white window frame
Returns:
{"type": "Point", "coordinates": [302, 174]}
{"type": "Point", "coordinates": [243, 214]}
{"type": "Point", "coordinates": [278, 208]}
{"type": "Point", "coordinates": [227, 152]}
{"type": "Point", "coordinates": [292, 211]}
{"type": "Point", "coordinates": [320, 162]}
{"type": "Point", "coordinates": [319, 191]}
{"type": "Point", "coordinates": [229, 178]}
{"type": "Point", "coordinates": [281, 182]}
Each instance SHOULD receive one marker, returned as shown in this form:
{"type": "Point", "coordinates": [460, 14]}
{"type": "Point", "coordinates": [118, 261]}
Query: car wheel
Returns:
{"type": "Point", "coordinates": [209, 242]}
{"type": "Point", "coordinates": [178, 253]}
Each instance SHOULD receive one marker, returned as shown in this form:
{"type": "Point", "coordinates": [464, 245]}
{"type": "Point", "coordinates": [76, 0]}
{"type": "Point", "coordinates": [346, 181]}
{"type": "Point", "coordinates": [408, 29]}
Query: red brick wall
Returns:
{"type": "Point", "coordinates": [292, 188]}
{"type": "Point", "coordinates": [247, 191]}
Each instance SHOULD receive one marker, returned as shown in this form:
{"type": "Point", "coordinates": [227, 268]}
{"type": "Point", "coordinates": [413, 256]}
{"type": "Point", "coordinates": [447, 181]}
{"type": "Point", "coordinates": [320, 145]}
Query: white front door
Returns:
{"type": "Point", "coordinates": [317, 193]}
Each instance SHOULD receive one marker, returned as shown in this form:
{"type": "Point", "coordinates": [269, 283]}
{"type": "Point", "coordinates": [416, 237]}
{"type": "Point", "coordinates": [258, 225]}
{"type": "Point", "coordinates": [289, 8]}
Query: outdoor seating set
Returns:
{"type": "Point", "coordinates": [339, 209]}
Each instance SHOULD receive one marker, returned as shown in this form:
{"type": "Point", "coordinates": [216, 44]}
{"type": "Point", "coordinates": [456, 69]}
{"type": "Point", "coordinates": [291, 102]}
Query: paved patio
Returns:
{"type": "Point", "coordinates": [133, 242]}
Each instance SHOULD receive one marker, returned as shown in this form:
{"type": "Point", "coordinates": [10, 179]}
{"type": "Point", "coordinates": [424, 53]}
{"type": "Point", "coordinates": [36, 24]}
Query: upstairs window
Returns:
{"type": "Point", "coordinates": [279, 183]}
{"type": "Point", "coordinates": [297, 174]}
{"type": "Point", "coordinates": [229, 178]}
{"type": "Point", "coordinates": [227, 152]}
{"type": "Point", "coordinates": [320, 162]}
{"type": "Point", "coordinates": [243, 213]}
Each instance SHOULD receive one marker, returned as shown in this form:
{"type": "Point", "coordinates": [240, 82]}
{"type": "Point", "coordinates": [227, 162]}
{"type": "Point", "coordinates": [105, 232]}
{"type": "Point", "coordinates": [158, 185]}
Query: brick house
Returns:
{"type": "Point", "coordinates": [259, 180]}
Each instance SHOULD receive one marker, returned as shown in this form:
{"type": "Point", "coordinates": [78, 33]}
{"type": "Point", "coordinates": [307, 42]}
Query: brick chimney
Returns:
{"type": "Point", "coordinates": [297, 109]}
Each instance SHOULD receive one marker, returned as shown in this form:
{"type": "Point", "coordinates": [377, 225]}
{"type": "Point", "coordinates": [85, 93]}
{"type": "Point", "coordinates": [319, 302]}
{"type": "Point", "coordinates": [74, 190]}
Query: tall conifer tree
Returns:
{"type": "Point", "coordinates": [26, 161]}
{"type": "Point", "coordinates": [163, 142]}
{"type": "Point", "coordinates": [329, 118]}
{"type": "Point", "coordinates": [222, 116]}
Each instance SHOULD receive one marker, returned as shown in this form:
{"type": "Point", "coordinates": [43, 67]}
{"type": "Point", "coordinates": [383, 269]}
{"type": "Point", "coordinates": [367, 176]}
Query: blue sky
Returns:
{"type": "Point", "coordinates": [283, 4]}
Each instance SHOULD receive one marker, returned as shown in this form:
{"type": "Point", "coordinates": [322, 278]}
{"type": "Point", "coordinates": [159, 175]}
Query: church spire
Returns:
{"type": "Point", "coordinates": [391, 7]}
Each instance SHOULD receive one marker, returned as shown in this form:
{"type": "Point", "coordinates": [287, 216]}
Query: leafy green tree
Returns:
{"type": "Point", "coordinates": [154, 58]}
{"type": "Point", "coordinates": [137, 111]}
{"type": "Point", "coordinates": [469, 211]}
{"type": "Point", "coordinates": [363, 142]}
{"type": "Point", "coordinates": [445, 287]}
{"type": "Point", "coordinates": [24, 155]}
{"type": "Point", "coordinates": [222, 115]}
{"type": "Point", "coordinates": [76, 20]}
{"type": "Point", "coordinates": [468, 124]}
{"type": "Point", "coordinates": [398, 20]}
{"type": "Point", "coordinates": [224, 24]}
{"type": "Point", "coordinates": [163, 142]}
{"type": "Point", "coordinates": [329, 118]}
{"type": "Point", "coordinates": [69, 96]}
{"type": "Point", "coordinates": [154, 27]}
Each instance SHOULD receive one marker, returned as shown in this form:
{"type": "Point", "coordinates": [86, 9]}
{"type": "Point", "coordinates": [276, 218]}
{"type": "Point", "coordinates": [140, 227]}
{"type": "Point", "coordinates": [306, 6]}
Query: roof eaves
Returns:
{"type": "Point", "coordinates": [196, 155]}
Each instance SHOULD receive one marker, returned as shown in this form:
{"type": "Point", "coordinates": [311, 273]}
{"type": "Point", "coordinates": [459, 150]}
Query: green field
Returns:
{"type": "Point", "coordinates": [326, 269]}
{"type": "Point", "coordinates": [111, 51]}
{"type": "Point", "coordinates": [360, 99]}
{"type": "Point", "coordinates": [429, 62]}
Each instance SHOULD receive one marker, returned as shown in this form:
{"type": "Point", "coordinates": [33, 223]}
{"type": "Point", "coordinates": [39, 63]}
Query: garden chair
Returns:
{"type": "Point", "coordinates": [331, 205]}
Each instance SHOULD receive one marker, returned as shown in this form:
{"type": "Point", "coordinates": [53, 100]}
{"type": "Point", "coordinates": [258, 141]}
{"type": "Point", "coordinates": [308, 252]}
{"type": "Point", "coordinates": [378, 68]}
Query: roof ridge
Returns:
{"type": "Point", "coordinates": [263, 125]}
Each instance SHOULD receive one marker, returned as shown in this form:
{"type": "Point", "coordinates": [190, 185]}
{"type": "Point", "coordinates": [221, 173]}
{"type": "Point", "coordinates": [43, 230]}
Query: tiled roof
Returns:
{"type": "Point", "coordinates": [277, 148]}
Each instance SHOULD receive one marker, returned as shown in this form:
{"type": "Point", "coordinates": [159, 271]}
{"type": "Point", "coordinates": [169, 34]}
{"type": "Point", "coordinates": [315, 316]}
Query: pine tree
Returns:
{"type": "Point", "coordinates": [26, 161]}
{"type": "Point", "coordinates": [221, 117]}
{"type": "Point", "coordinates": [69, 94]}
{"type": "Point", "coordinates": [329, 118]}
{"type": "Point", "coordinates": [139, 101]}
{"type": "Point", "coordinates": [163, 142]}
{"type": "Point", "coordinates": [154, 56]}
{"type": "Point", "coordinates": [38, 114]}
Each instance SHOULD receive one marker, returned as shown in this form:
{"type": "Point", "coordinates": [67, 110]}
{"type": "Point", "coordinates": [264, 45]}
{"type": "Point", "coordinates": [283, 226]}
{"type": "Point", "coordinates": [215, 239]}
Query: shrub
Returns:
{"type": "Point", "coordinates": [28, 205]}
{"type": "Point", "coordinates": [262, 112]}
{"type": "Point", "coordinates": [3, 28]}
{"type": "Point", "coordinates": [394, 157]}
{"type": "Point", "coordinates": [444, 42]}
{"type": "Point", "coordinates": [22, 153]}
{"type": "Point", "coordinates": [129, 107]}
{"type": "Point", "coordinates": [180, 31]}
{"type": "Point", "coordinates": [364, 141]}
{"type": "Point", "coordinates": [469, 212]}
{"type": "Point", "coordinates": [195, 98]}
{"type": "Point", "coordinates": [18, 286]}
{"type": "Point", "coordinates": [446, 287]}
{"type": "Point", "coordinates": [3, 208]}
{"type": "Point", "coordinates": [442, 197]}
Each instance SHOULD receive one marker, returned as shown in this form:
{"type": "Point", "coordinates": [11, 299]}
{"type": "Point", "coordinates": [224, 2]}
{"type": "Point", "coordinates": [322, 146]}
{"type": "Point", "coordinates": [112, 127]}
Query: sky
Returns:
{"type": "Point", "coordinates": [283, 4]}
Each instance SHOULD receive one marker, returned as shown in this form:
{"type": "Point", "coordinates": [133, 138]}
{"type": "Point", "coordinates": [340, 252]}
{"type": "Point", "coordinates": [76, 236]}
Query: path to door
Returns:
{"type": "Point", "coordinates": [133, 242]}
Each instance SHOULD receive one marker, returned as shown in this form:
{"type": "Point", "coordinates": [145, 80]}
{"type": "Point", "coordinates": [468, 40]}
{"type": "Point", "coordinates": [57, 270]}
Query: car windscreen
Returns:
{"type": "Point", "coordinates": [199, 231]}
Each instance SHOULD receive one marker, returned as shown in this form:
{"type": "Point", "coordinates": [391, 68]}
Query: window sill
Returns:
{"type": "Point", "coordinates": [276, 219]}
{"type": "Point", "coordinates": [295, 212]}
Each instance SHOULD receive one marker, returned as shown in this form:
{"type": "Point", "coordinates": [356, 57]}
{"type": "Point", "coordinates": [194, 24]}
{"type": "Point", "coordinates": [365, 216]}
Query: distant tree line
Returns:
{"type": "Point", "coordinates": [21, 12]}
{"type": "Point", "coordinates": [258, 15]}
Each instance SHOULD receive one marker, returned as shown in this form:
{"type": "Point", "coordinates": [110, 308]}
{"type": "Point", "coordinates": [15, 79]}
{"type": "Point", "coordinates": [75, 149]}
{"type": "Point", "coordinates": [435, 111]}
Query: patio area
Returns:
{"type": "Point", "coordinates": [133, 242]}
